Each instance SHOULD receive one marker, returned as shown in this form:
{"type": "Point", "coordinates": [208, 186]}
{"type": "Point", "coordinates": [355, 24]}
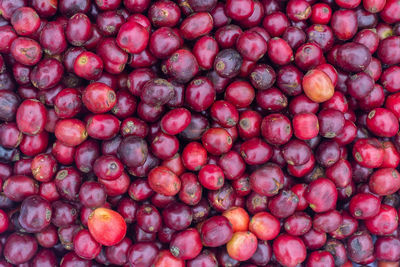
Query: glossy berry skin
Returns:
{"type": "Point", "coordinates": [191, 190]}
{"type": "Point", "coordinates": [267, 180]}
{"type": "Point", "coordinates": [360, 85]}
{"type": "Point", "coordinates": [298, 224]}
{"type": "Point", "coordinates": [212, 238]}
{"type": "Point", "coordinates": [106, 226]}
{"type": "Point", "coordinates": [276, 23]}
{"type": "Point", "coordinates": [164, 146]}
{"type": "Point", "coordinates": [18, 187]}
{"type": "Point", "coordinates": [211, 177]}
{"type": "Point", "coordinates": [67, 103]}
{"type": "Point", "coordinates": [165, 258]}
{"type": "Point", "coordinates": [289, 250]}
{"type": "Point", "coordinates": [321, 13]}
{"type": "Point", "coordinates": [92, 194]}
{"type": "Point", "coordinates": [196, 25]}
{"type": "Point", "coordinates": [25, 21]}
{"type": "Point", "coordinates": [235, 133]}
{"type": "Point", "coordinates": [20, 248]}
{"type": "Point", "coordinates": [344, 24]}
{"type": "Point", "coordinates": [364, 206]}
{"type": "Point", "coordinates": [182, 66]}
{"type": "Point", "coordinates": [389, 12]}
{"type": "Point", "coordinates": [318, 86]}
{"type": "Point", "coordinates": [108, 167]}
{"type": "Point", "coordinates": [164, 181]}
{"type": "Point", "coordinates": [283, 204]}
{"type": "Point", "coordinates": [38, 208]}
{"type": "Point", "coordinates": [255, 151]}
{"type": "Point", "coordinates": [148, 218]}
{"type": "Point", "coordinates": [384, 181]}
{"type": "Point", "coordinates": [264, 225]}
{"type": "Point", "coordinates": [79, 29]}
{"type": "Point", "coordinates": [310, 55]}
{"type": "Point", "coordinates": [132, 37]}
{"type": "Point", "coordinates": [387, 249]}
{"type": "Point", "coordinates": [276, 129]}
{"type": "Point", "coordinates": [382, 122]}
{"type": "Point", "coordinates": [242, 246]}
{"type": "Point", "coordinates": [227, 63]}
{"type": "Point", "coordinates": [320, 258]}
{"type": "Point", "coordinates": [217, 141]}
{"type": "Point", "coordinates": [31, 117]}
{"type": "Point", "coordinates": [271, 99]}
{"type": "Point", "coordinates": [239, 10]}
{"type": "Point", "coordinates": [21, 44]}
{"type": "Point", "coordinates": [99, 98]}
{"type": "Point", "coordinates": [164, 13]}
{"type": "Point", "coordinates": [205, 50]}
{"type": "Point", "coordinates": [384, 223]}
{"type": "Point", "coordinates": [88, 66]}
{"type": "Point", "coordinates": [175, 121]}
{"type": "Point", "coordinates": [186, 245]}
{"type": "Point", "coordinates": [251, 46]}
{"type": "Point", "coordinates": [296, 152]}
{"type": "Point", "coordinates": [305, 126]}
{"type": "Point", "coordinates": [390, 80]}
{"type": "Point", "coordinates": [224, 113]}
{"type": "Point", "coordinates": [44, 167]}
{"type": "Point", "coordinates": [368, 152]}
{"type": "Point", "coordinates": [353, 57]}
{"type": "Point", "coordinates": [194, 156]}
{"type": "Point", "coordinates": [85, 246]}
{"type": "Point", "coordinates": [325, 189]}
{"type": "Point", "coordinates": [262, 76]}
{"type": "Point", "coordinates": [278, 46]}
{"type": "Point", "coordinates": [240, 93]}
{"type": "Point", "coordinates": [102, 126]}
{"type": "Point", "coordinates": [298, 10]}
{"type": "Point", "coordinates": [142, 253]}
{"type": "Point", "coordinates": [46, 74]}
{"type": "Point", "coordinates": [200, 94]}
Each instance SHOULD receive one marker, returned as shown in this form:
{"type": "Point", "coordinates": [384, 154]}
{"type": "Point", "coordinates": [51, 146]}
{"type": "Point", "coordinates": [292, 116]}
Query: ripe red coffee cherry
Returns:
{"type": "Point", "coordinates": [106, 226]}
{"type": "Point", "coordinates": [164, 181]}
{"type": "Point", "coordinates": [305, 126]}
{"type": "Point", "coordinates": [298, 10]}
{"type": "Point", "coordinates": [251, 45]}
{"type": "Point", "coordinates": [175, 121]}
{"type": "Point", "coordinates": [276, 129]}
{"type": "Point", "coordinates": [382, 122]}
{"type": "Point", "coordinates": [289, 250]}
{"type": "Point", "coordinates": [321, 13]}
{"type": "Point", "coordinates": [364, 206]}
{"type": "Point", "coordinates": [242, 246]}
{"type": "Point", "coordinates": [279, 51]}
{"type": "Point", "coordinates": [239, 10]}
{"type": "Point", "coordinates": [318, 86]}
{"type": "Point", "coordinates": [321, 188]}
{"type": "Point", "coordinates": [212, 238]}
{"type": "Point", "coordinates": [79, 29]}
{"type": "Point", "coordinates": [88, 66]}
{"type": "Point", "coordinates": [132, 37]}
{"type": "Point", "coordinates": [31, 117]}
{"type": "Point", "coordinates": [384, 181]}
{"type": "Point", "coordinates": [25, 21]}
{"type": "Point", "coordinates": [196, 25]}
{"type": "Point", "coordinates": [99, 98]}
